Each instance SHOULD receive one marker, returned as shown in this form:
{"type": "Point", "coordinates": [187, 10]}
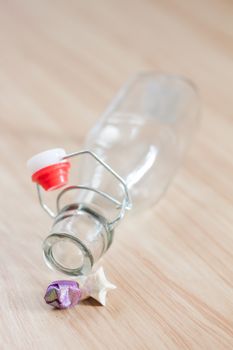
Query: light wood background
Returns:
{"type": "Point", "coordinates": [60, 63]}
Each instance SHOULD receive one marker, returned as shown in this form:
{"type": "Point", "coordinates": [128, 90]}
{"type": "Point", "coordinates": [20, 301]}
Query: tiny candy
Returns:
{"type": "Point", "coordinates": [65, 294]}
{"type": "Point", "coordinates": [95, 286]}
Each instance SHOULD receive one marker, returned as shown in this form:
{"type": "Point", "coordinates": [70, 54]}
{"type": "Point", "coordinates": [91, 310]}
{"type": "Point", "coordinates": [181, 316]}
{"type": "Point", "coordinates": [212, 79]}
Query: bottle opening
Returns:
{"type": "Point", "coordinates": [66, 253]}
{"type": "Point", "coordinates": [78, 239]}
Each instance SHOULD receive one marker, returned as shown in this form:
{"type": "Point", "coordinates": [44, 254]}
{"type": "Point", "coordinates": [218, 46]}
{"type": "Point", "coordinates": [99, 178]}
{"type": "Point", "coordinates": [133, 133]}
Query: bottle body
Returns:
{"type": "Point", "coordinates": [143, 136]}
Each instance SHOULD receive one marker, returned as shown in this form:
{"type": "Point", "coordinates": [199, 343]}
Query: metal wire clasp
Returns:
{"type": "Point", "coordinates": [122, 206]}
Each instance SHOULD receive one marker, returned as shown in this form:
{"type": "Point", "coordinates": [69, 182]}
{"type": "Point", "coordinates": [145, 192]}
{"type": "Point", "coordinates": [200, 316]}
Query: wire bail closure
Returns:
{"type": "Point", "coordinates": [121, 206]}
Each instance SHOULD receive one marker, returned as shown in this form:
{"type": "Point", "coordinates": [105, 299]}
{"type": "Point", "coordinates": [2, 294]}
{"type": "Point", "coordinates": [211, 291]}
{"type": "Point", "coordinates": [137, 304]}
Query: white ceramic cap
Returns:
{"type": "Point", "coordinates": [46, 158]}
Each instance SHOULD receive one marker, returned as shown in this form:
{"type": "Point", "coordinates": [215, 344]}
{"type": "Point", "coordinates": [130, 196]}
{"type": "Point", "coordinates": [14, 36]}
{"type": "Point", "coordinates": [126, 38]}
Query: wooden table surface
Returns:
{"type": "Point", "coordinates": [60, 63]}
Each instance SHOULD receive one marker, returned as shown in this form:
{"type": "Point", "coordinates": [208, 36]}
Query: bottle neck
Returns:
{"type": "Point", "coordinates": [79, 237]}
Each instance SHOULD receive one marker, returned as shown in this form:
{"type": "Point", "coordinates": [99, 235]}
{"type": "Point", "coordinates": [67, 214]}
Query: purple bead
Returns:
{"type": "Point", "coordinates": [63, 294]}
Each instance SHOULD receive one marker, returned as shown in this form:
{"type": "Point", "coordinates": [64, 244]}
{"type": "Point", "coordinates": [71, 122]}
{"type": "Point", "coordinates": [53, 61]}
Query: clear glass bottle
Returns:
{"type": "Point", "coordinates": [143, 136]}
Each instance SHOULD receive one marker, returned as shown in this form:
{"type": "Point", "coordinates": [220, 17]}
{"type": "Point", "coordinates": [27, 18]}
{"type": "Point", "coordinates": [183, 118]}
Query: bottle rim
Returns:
{"type": "Point", "coordinates": [55, 238]}
{"type": "Point", "coordinates": [53, 263]}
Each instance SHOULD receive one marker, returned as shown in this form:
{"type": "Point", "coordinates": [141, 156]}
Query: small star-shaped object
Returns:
{"type": "Point", "coordinates": [97, 286]}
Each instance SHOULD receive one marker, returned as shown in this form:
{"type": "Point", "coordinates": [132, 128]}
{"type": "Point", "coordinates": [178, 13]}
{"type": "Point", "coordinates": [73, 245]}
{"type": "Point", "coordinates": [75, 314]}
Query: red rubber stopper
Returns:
{"type": "Point", "coordinates": [53, 176]}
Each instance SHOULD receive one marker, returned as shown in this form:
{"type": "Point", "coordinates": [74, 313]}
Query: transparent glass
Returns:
{"type": "Point", "coordinates": [143, 136]}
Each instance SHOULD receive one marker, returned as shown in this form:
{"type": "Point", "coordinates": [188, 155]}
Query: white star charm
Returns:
{"type": "Point", "coordinates": [96, 286]}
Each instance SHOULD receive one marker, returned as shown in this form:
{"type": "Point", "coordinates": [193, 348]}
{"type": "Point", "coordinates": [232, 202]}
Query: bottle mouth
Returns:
{"type": "Point", "coordinates": [67, 254]}
{"type": "Point", "coordinates": [78, 239]}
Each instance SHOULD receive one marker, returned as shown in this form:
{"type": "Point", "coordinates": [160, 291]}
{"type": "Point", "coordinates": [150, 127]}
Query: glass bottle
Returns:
{"type": "Point", "coordinates": [142, 137]}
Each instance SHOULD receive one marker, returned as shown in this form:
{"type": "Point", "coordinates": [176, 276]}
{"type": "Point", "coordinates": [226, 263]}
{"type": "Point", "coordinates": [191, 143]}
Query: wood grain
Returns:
{"type": "Point", "coordinates": [60, 63]}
